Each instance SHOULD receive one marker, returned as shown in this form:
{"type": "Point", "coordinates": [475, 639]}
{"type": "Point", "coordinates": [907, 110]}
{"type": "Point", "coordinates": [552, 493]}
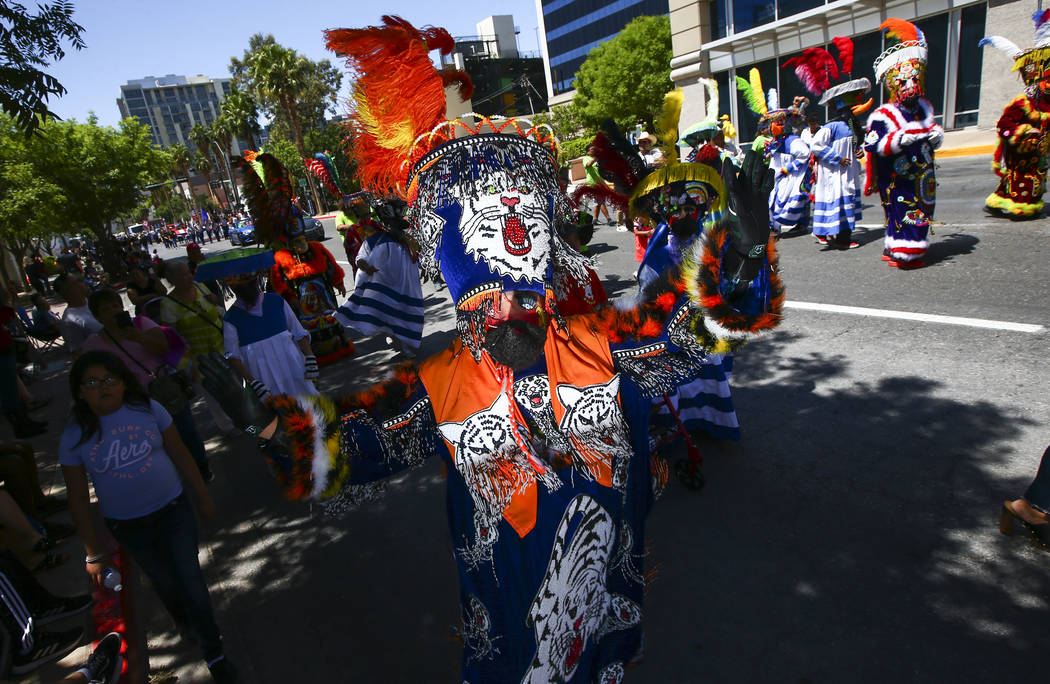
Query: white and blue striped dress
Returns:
{"type": "Point", "coordinates": [835, 193]}
{"type": "Point", "coordinates": [389, 301]}
{"type": "Point", "coordinates": [789, 197]}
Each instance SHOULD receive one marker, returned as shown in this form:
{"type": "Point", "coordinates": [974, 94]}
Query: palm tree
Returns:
{"type": "Point", "coordinates": [281, 75]}
{"type": "Point", "coordinates": [222, 138]}
{"type": "Point", "coordinates": [181, 163]}
{"type": "Point", "coordinates": [241, 114]}
{"type": "Point", "coordinates": [202, 164]}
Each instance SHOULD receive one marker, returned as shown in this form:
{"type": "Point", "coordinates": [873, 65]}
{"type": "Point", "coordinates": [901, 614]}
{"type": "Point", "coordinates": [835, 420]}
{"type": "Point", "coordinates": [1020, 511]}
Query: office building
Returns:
{"type": "Point", "coordinates": [506, 82]}
{"type": "Point", "coordinates": [172, 105]}
{"type": "Point", "coordinates": [968, 85]}
{"type": "Point", "coordinates": [569, 29]}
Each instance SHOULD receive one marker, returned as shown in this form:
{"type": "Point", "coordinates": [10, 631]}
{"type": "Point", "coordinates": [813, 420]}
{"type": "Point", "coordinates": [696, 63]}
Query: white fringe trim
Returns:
{"type": "Point", "coordinates": [321, 464]}
{"type": "Point", "coordinates": [722, 332]}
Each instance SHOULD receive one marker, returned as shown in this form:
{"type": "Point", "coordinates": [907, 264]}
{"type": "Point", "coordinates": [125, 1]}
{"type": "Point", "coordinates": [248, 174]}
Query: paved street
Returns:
{"type": "Point", "coordinates": [851, 536]}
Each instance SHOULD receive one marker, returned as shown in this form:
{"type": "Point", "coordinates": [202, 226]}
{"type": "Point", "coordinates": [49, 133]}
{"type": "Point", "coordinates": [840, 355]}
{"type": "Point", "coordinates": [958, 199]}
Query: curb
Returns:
{"type": "Point", "coordinates": [970, 151]}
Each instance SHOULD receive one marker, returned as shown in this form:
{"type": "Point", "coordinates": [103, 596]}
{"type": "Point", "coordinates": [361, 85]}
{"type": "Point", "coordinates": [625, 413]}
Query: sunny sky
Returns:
{"type": "Point", "coordinates": [131, 39]}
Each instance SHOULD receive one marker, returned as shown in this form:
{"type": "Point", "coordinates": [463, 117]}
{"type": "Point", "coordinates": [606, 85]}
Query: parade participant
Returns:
{"type": "Point", "coordinates": [711, 131]}
{"type": "Point", "coordinates": [834, 145]}
{"type": "Point", "coordinates": [789, 161]}
{"type": "Point", "coordinates": [542, 420]}
{"type": "Point", "coordinates": [1024, 128]}
{"type": "Point", "coordinates": [388, 295]}
{"type": "Point", "coordinates": [901, 137]}
{"type": "Point", "coordinates": [261, 335]}
{"type": "Point", "coordinates": [306, 274]}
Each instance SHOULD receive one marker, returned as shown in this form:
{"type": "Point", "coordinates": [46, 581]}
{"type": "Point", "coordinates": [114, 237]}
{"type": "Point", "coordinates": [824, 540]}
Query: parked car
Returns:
{"type": "Point", "coordinates": [243, 233]}
{"type": "Point", "coordinates": [314, 230]}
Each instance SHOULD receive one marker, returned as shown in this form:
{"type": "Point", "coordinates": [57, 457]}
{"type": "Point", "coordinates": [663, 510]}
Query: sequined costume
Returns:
{"type": "Point", "coordinates": [900, 141]}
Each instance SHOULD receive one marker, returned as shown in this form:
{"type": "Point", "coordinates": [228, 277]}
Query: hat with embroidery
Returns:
{"type": "Point", "coordinates": [484, 194]}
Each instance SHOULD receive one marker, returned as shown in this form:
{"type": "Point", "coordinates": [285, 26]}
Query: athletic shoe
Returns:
{"type": "Point", "coordinates": [821, 239]}
{"type": "Point", "coordinates": [64, 606]}
{"type": "Point", "coordinates": [222, 671]}
{"type": "Point", "coordinates": [48, 646]}
{"type": "Point", "coordinates": [621, 229]}
{"type": "Point", "coordinates": [105, 662]}
{"type": "Point", "coordinates": [886, 256]}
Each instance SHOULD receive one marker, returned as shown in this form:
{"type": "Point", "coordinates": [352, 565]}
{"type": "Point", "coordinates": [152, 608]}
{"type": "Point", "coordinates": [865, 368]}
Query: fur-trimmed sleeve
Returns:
{"type": "Point", "coordinates": [339, 448]}
{"type": "Point", "coordinates": [690, 313]}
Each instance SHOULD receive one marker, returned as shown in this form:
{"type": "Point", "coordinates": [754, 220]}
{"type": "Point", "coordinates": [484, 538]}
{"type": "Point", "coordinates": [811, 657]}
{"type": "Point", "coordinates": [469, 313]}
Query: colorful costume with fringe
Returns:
{"type": "Point", "coordinates": [1024, 128]}
{"type": "Point", "coordinates": [900, 142]}
{"type": "Point", "coordinates": [549, 474]}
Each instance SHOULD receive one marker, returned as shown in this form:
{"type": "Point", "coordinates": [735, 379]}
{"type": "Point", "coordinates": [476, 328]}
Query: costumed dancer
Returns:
{"type": "Point", "coordinates": [1024, 128]}
{"type": "Point", "coordinates": [901, 137]}
{"type": "Point", "coordinates": [542, 420]}
{"type": "Point", "coordinates": [755, 163]}
{"type": "Point", "coordinates": [836, 144]}
{"type": "Point", "coordinates": [712, 130]}
{"type": "Point", "coordinates": [789, 161]}
{"type": "Point", "coordinates": [306, 274]}
{"type": "Point", "coordinates": [262, 338]}
{"type": "Point", "coordinates": [388, 295]}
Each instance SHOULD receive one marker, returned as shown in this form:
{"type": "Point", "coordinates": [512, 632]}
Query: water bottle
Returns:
{"type": "Point", "coordinates": [111, 579]}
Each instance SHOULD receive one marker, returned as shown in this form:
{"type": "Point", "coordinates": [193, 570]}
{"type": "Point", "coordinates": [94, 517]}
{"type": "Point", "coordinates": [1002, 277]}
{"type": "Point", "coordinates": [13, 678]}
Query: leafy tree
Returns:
{"type": "Point", "coordinates": [288, 86]}
{"type": "Point", "coordinates": [28, 42]}
{"type": "Point", "coordinates": [332, 138]}
{"type": "Point", "coordinates": [179, 161]}
{"type": "Point", "coordinates": [627, 77]}
{"type": "Point", "coordinates": [202, 164]}
{"type": "Point", "coordinates": [101, 170]}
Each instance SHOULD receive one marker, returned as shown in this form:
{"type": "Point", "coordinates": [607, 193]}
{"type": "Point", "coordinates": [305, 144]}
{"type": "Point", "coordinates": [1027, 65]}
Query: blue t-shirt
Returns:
{"type": "Point", "coordinates": [132, 473]}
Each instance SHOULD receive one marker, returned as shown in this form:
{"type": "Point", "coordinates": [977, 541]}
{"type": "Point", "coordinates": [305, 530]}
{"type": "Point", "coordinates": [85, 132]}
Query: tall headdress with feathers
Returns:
{"type": "Point", "coordinates": [268, 192]}
{"type": "Point", "coordinates": [706, 130]}
{"type": "Point", "coordinates": [323, 168]}
{"type": "Point", "coordinates": [751, 91]}
{"type": "Point", "coordinates": [1032, 62]}
{"type": "Point", "coordinates": [820, 74]}
{"type": "Point", "coordinates": [666, 124]}
{"type": "Point", "coordinates": [910, 46]}
{"type": "Point", "coordinates": [484, 194]}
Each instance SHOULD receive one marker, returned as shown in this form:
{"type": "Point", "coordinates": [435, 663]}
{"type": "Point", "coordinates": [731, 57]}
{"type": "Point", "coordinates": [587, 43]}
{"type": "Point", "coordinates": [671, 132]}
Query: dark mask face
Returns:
{"type": "Point", "coordinates": [515, 343]}
{"type": "Point", "coordinates": [247, 292]}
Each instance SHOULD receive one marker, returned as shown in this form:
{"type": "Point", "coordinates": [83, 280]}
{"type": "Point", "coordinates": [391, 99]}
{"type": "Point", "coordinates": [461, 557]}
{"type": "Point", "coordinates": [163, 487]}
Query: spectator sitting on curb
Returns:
{"type": "Point", "coordinates": [77, 323]}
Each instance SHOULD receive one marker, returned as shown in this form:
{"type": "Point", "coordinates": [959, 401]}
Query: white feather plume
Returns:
{"type": "Point", "coordinates": [711, 108]}
{"type": "Point", "coordinates": [1000, 43]}
{"type": "Point", "coordinates": [772, 100]}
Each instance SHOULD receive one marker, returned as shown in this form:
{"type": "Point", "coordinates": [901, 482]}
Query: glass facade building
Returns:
{"type": "Point", "coordinates": [741, 31]}
{"type": "Point", "coordinates": [172, 105]}
{"type": "Point", "coordinates": [573, 28]}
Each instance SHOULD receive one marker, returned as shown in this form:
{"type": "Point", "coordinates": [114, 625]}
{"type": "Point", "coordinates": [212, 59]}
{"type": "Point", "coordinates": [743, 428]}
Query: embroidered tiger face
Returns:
{"type": "Point", "coordinates": [596, 427]}
{"type": "Point", "coordinates": [489, 458]}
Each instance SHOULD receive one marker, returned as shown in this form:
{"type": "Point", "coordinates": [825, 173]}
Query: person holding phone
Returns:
{"type": "Point", "coordinates": [141, 346]}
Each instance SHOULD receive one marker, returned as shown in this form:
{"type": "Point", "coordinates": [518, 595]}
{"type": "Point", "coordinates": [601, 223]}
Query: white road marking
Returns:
{"type": "Point", "coordinates": [344, 263]}
{"type": "Point", "coordinates": [909, 316]}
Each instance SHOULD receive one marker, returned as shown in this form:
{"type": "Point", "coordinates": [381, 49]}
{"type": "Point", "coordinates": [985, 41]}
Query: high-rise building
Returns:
{"type": "Point", "coordinates": [569, 29]}
{"type": "Point", "coordinates": [172, 105]}
{"type": "Point", "coordinates": [506, 82]}
{"type": "Point", "coordinates": [723, 39]}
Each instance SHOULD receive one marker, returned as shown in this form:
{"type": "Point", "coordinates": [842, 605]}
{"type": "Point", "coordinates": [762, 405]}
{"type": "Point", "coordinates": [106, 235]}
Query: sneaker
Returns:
{"type": "Point", "coordinates": [821, 239]}
{"type": "Point", "coordinates": [621, 229]}
{"type": "Point", "coordinates": [105, 662]}
{"type": "Point", "coordinates": [222, 671]}
{"type": "Point", "coordinates": [48, 646]}
{"type": "Point", "coordinates": [64, 606]}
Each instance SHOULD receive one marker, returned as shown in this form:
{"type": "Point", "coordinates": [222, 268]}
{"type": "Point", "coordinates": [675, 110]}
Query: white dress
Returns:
{"type": "Point", "coordinates": [276, 361]}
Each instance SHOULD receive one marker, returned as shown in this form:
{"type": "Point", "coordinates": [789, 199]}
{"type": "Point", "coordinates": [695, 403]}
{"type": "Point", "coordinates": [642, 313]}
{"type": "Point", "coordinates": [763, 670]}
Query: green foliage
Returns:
{"type": "Point", "coordinates": [570, 149]}
{"type": "Point", "coordinates": [627, 77]}
{"type": "Point", "coordinates": [27, 42]}
{"type": "Point", "coordinates": [565, 120]}
{"type": "Point", "coordinates": [240, 116]}
{"type": "Point", "coordinates": [331, 138]}
{"type": "Point", "coordinates": [286, 153]}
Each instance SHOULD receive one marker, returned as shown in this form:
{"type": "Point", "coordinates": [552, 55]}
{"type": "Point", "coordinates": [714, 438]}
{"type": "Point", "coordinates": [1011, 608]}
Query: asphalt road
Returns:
{"type": "Point", "coordinates": [850, 536]}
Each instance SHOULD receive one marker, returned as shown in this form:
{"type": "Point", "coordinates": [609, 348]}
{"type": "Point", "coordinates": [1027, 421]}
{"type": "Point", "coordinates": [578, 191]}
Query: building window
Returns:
{"type": "Point", "coordinates": [748, 14]}
{"type": "Point", "coordinates": [968, 78]}
{"type": "Point", "coordinates": [936, 30]}
{"type": "Point", "coordinates": [785, 8]}
{"type": "Point", "coordinates": [719, 19]}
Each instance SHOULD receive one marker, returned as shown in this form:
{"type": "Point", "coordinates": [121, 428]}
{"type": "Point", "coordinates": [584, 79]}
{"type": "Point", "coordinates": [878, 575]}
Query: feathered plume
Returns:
{"type": "Point", "coordinates": [600, 193]}
{"type": "Point", "coordinates": [269, 196]}
{"type": "Point", "coordinates": [754, 97]}
{"type": "Point", "coordinates": [844, 46]}
{"type": "Point", "coordinates": [903, 31]}
{"type": "Point", "coordinates": [999, 43]}
{"type": "Point", "coordinates": [614, 164]}
{"type": "Point", "coordinates": [712, 105]}
{"type": "Point", "coordinates": [322, 167]}
{"type": "Point", "coordinates": [1042, 27]}
{"type": "Point", "coordinates": [398, 95]}
{"type": "Point", "coordinates": [617, 144]}
{"type": "Point", "coordinates": [815, 68]}
{"type": "Point", "coordinates": [772, 100]}
{"type": "Point", "coordinates": [755, 79]}
{"type": "Point", "coordinates": [666, 124]}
